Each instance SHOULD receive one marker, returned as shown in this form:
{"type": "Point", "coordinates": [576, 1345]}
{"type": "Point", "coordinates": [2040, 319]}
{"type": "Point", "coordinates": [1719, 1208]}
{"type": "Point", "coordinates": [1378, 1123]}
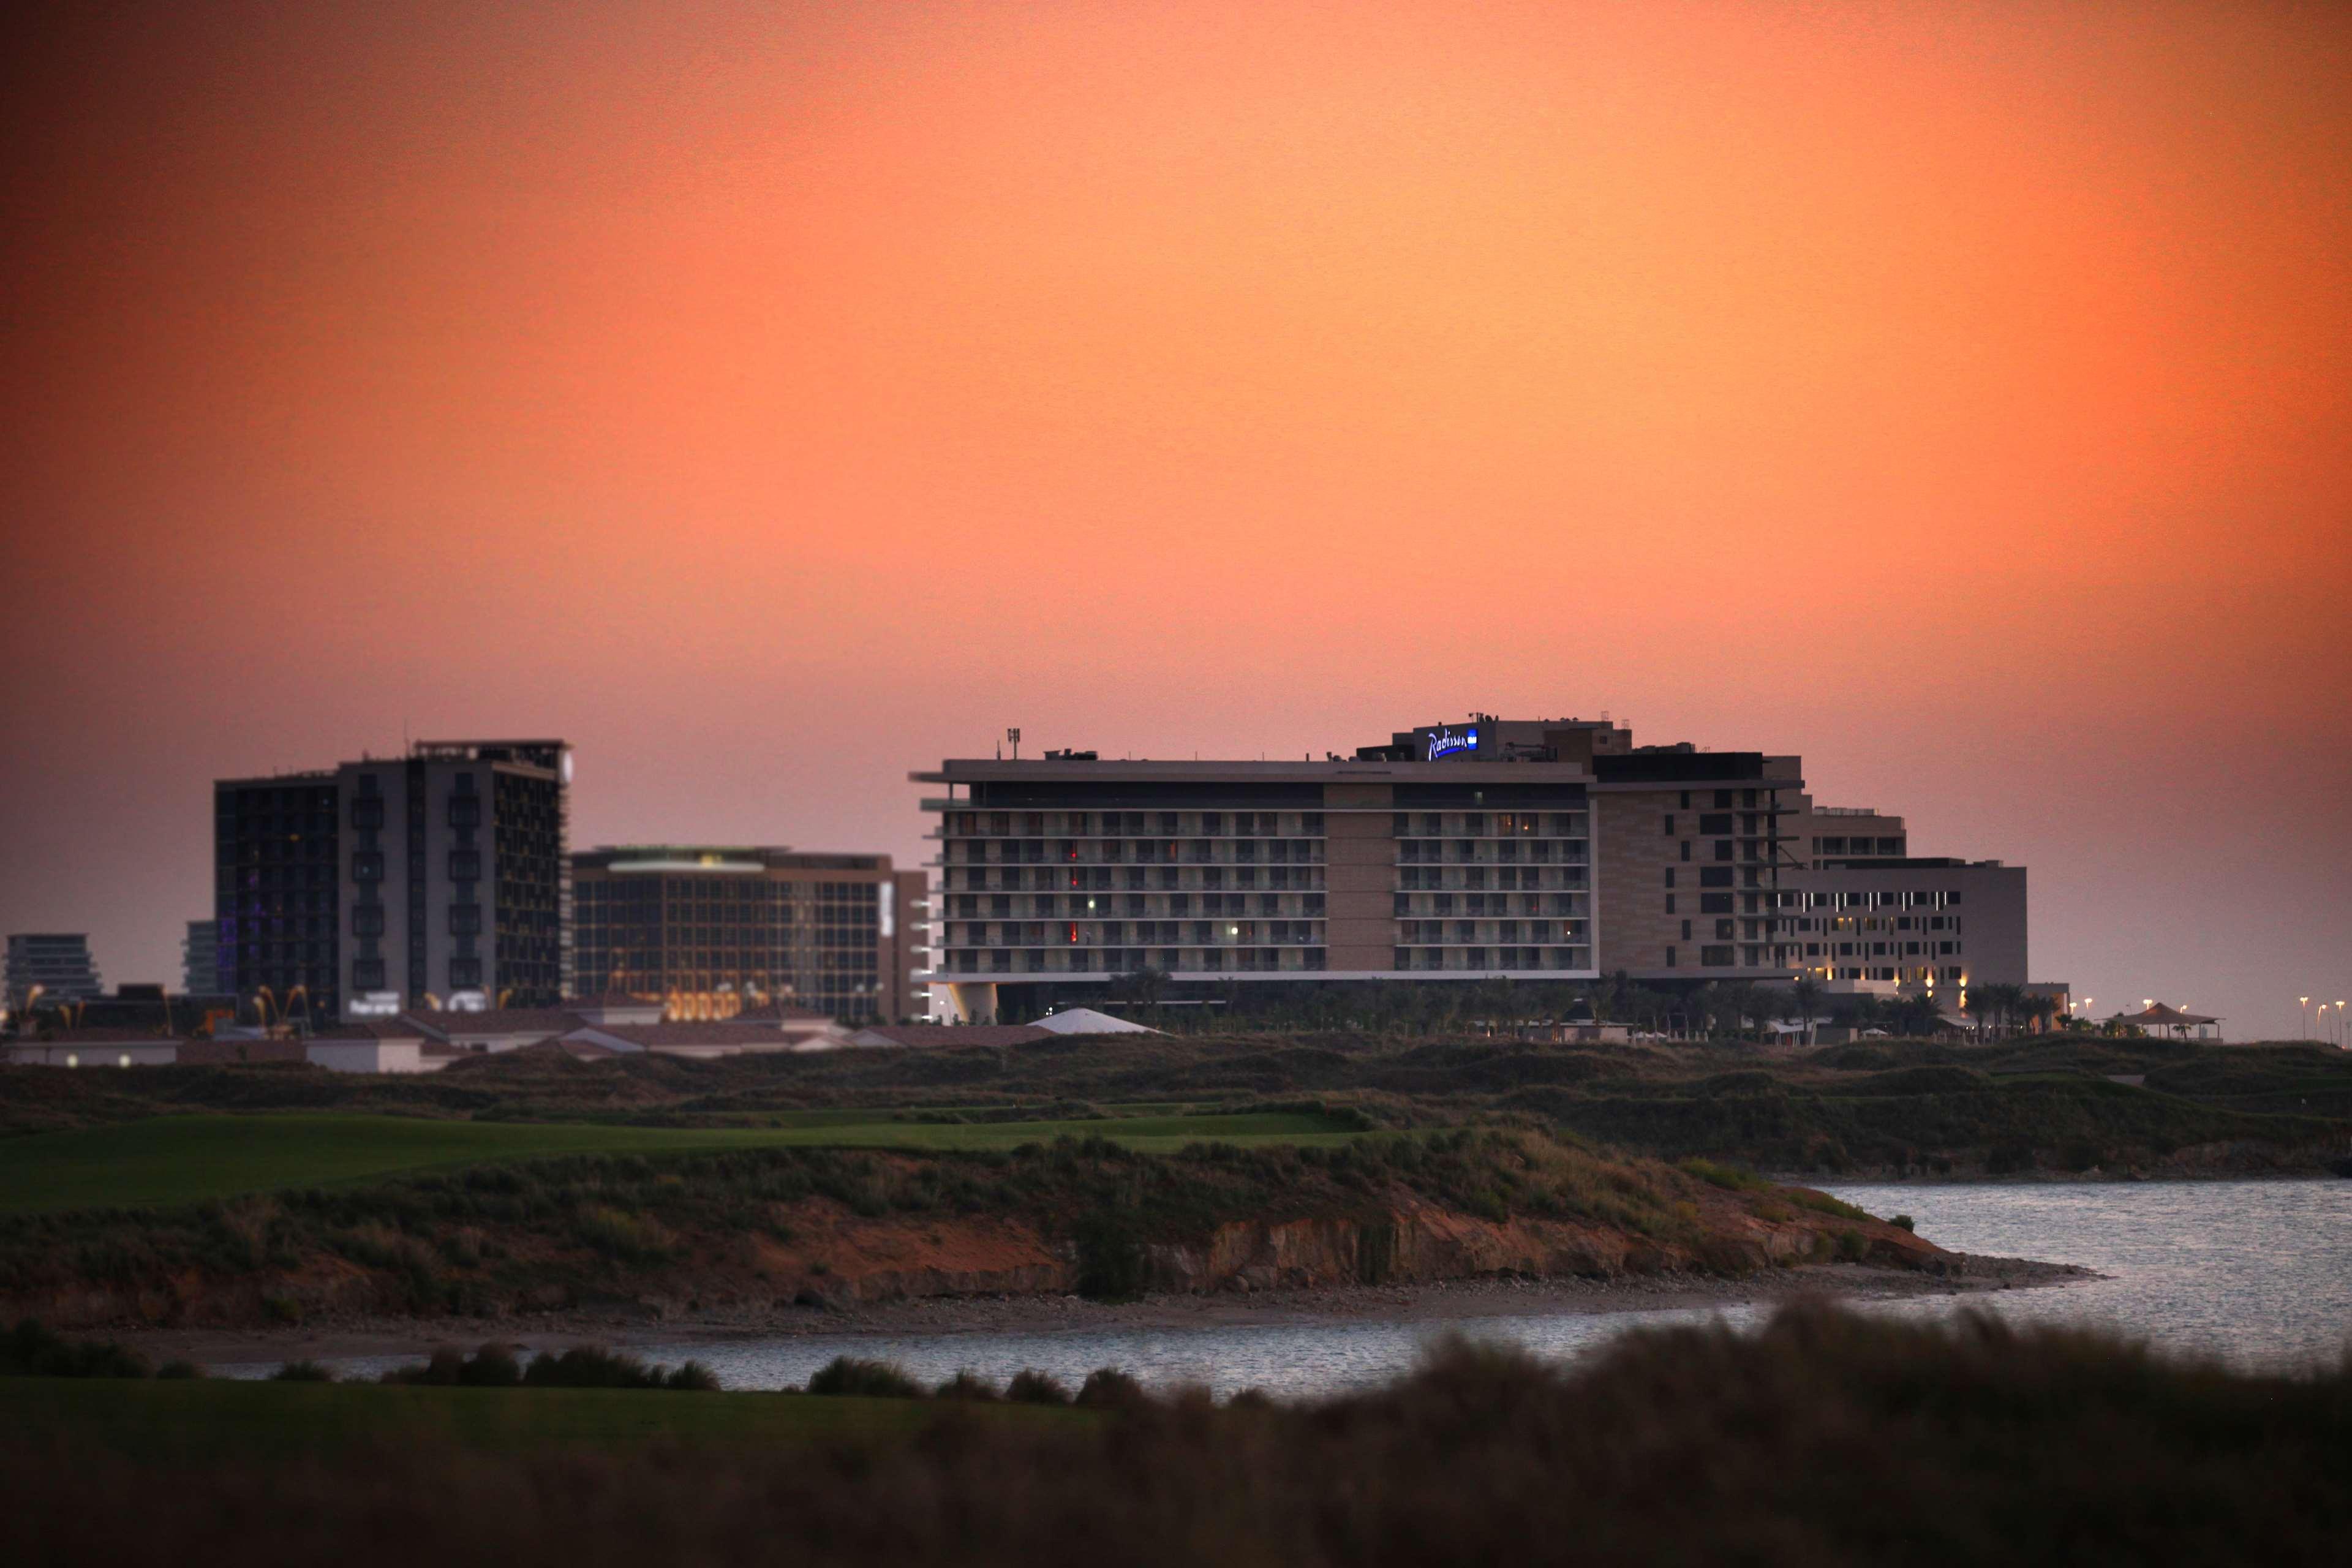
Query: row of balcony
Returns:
{"type": "Point", "coordinates": [1483, 878]}
{"type": "Point", "coordinates": [1131, 879]}
{"type": "Point", "coordinates": [1131, 823]}
{"type": "Point", "coordinates": [1408, 906]}
{"type": "Point", "coordinates": [1507, 932]}
{"type": "Point", "coordinates": [1491, 851]}
{"type": "Point", "coordinates": [1129, 906]}
{"type": "Point", "coordinates": [1123, 933]}
{"type": "Point", "coordinates": [1132, 851]}
{"type": "Point", "coordinates": [991, 964]}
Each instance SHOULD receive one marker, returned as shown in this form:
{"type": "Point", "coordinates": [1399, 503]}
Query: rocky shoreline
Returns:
{"type": "Point", "coordinates": [938, 1316]}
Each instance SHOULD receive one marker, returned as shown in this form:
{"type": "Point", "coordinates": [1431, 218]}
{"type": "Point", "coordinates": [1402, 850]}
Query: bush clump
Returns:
{"type": "Point", "coordinates": [32, 1349]}
{"type": "Point", "coordinates": [865, 1379]}
{"type": "Point", "coordinates": [303, 1371]}
{"type": "Point", "coordinates": [1107, 1388]}
{"type": "Point", "coordinates": [1030, 1386]}
{"type": "Point", "coordinates": [969, 1385]}
{"type": "Point", "coordinates": [492, 1366]}
{"type": "Point", "coordinates": [594, 1366]}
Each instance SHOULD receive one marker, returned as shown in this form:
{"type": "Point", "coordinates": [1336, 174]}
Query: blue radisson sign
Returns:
{"type": "Point", "coordinates": [1448, 741]}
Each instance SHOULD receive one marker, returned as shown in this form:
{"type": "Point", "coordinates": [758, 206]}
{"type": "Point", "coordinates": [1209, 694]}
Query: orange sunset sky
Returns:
{"type": "Point", "coordinates": [771, 399]}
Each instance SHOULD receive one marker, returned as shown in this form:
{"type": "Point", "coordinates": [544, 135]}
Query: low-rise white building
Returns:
{"type": "Point", "coordinates": [96, 1047]}
{"type": "Point", "coordinates": [376, 1046]}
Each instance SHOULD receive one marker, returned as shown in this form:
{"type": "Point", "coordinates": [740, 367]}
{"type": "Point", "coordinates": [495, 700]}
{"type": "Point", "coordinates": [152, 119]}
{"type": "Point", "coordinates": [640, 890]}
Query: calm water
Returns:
{"type": "Point", "coordinates": [2259, 1272]}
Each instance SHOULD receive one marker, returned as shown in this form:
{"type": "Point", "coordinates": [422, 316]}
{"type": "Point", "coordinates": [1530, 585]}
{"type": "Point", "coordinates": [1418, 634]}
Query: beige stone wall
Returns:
{"type": "Point", "coordinates": [1630, 853]}
{"type": "Point", "coordinates": [1360, 878]}
{"type": "Point", "coordinates": [1639, 916]}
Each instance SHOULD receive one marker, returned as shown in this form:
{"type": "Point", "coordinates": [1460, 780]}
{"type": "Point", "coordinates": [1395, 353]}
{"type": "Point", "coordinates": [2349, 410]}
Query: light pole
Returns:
{"type": "Point", "coordinates": [2304, 1018]}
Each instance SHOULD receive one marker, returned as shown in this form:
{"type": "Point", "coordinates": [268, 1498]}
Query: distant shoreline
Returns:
{"type": "Point", "coordinates": [950, 1317]}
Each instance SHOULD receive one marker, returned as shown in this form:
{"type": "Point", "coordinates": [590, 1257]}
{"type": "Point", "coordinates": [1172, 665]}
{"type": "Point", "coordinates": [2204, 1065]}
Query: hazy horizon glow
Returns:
{"type": "Point", "coordinates": [774, 399]}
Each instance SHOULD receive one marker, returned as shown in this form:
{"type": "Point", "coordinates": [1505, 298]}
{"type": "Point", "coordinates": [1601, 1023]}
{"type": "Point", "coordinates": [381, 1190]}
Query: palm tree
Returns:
{"type": "Point", "coordinates": [1995, 1004]}
{"type": "Point", "coordinates": [1807, 993]}
{"type": "Point", "coordinates": [1919, 1016]}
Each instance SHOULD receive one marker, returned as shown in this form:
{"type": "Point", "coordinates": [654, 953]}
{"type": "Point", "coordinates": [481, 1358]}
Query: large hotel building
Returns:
{"type": "Point", "coordinates": [708, 930]}
{"type": "Point", "coordinates": [1542, 849]}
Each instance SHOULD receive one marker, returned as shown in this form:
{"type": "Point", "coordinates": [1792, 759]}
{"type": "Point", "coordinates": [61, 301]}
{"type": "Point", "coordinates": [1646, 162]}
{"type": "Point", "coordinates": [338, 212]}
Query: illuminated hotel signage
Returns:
{"type": "Point", "coordinates": [1448, 741]}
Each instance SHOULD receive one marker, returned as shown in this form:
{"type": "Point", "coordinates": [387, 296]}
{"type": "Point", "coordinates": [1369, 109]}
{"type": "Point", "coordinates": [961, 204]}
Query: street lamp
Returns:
{"type": "Point", "coordinates": [2304, 1018]}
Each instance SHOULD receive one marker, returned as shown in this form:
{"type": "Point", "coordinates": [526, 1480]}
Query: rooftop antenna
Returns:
{"type": "Point", "coordinates": [1014, 735]}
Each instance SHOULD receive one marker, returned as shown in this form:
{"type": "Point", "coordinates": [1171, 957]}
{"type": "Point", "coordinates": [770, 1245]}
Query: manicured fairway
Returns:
{"type": "Point", "coordinates": [216, 1418]}
{"type": "Point", "coordinates": [184, 1159]}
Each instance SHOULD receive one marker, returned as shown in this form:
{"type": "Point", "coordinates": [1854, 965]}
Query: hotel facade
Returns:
{"type": "Point", "coordinates": [708, 930]}
{"type": "Point", "coordinates": [1531, 850]}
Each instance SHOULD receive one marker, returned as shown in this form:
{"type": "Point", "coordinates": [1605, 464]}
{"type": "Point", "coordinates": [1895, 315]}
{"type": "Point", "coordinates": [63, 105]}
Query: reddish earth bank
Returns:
{"type": "Point", "coordinates": [819, 1253]}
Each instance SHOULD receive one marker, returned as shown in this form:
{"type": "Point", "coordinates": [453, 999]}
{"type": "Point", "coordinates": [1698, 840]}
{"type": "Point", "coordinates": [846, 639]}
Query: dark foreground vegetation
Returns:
{"type": "Point", "coordinates": [33, 1349]}
{"type": "Point", "coordinates": [1824, 1439]}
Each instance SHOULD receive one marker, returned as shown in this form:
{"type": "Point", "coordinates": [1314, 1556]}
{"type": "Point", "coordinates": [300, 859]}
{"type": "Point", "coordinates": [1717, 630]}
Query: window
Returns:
{"type": "Point", "coordinates": [465, 974]}
{"type": "Point", "coordinates": [1669, 825]}
{"type": "Point", "coordinates": [465, 920]}
{"type": "Point", "coordinates": [1686, 931]}
{"type": "Point", "coordinates": [1670, 875]}
{"type": "Point", "coordinates": [367, 810]}
{"type": "Point", "coordinates": [367, 865]}
{"type": "Point", "coordinates": [1670, 952]}
{"type": "Point", "coordinates": [1686, 848]}
{"type": "Point", "coordinates": [367, 975]}
{"type": "Point", "coordinates": [465, 811]}
{"type": "Point", "coordinates": [1715, 877]}
{"type": "Point", "coordinates": [1670, 903]}
{"type": "Point", "coordinates": [1715, 823]}
{"type": "Point", "coordinates": [1716, 957]}
{"type": "Point", "coordinates": [367, 919]}
{"type": "Point", "coordinates": [465, 865]}
{"type": "Point", "coordinates": [1715, 903]}
{"type": "Point", "coordinates": [1723, 849]}
{"type": "Point", "coordinates": [1723, 929]}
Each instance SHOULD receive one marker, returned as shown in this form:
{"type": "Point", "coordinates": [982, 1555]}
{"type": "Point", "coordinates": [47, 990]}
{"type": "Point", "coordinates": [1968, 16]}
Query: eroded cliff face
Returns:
{"type": "Point", "coordinates": [838, 1259]}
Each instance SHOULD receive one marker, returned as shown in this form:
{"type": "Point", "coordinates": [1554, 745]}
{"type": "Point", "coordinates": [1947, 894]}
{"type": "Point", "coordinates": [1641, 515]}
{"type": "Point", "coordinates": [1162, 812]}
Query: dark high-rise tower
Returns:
{"type": "Point", "coordinates": [399, 882]}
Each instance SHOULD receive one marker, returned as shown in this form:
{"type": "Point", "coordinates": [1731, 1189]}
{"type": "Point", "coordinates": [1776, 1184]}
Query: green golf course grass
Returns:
{"type": "Point", "coordinates": [216, 1418]}
{"type": "Point", "coordinates": [188, 1159]}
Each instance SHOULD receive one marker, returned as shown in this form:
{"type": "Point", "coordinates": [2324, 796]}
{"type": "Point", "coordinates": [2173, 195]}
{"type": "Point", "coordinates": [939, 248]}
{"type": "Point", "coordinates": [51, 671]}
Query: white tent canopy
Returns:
{"type": "Point", "coordinates": [1086, 1021]}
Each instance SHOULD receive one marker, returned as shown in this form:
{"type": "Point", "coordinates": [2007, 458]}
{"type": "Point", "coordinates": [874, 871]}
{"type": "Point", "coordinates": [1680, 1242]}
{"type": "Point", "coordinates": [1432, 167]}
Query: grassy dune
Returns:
{"type": "Point", "coordinates": [189, 1159]}
{"type": "Point", "coordinates": [2148, 1107]}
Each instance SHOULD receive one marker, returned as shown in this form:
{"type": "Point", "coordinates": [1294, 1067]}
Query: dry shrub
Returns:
{"type": "Point", "coordinates": [1824, 1439]}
